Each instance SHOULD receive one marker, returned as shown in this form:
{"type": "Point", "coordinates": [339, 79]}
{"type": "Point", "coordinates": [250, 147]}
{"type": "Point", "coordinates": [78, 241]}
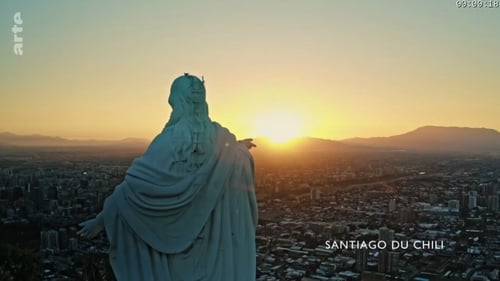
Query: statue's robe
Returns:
{"type": "Point", "coordinates": [165, 224]}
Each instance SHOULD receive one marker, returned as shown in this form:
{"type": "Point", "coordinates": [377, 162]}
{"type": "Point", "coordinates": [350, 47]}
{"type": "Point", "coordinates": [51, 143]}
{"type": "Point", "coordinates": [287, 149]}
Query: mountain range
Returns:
{"type": "Point", "coordinates": [434, 138]}
{"type": "Point", "coordinates": [423, 139]}
{"type": "Point", "coordinates": [9, 139]}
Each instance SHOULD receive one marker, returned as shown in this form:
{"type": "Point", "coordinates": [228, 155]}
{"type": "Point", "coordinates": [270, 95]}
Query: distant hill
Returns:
{"type": "Point", "coordinates": [438, 139]}
{"type": "Point", "coordinates": [9, 139]}
{"type": "Point", "coordinates": [423, 139]}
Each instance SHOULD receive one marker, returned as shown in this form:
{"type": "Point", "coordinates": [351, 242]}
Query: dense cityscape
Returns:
{"type": "Point", "coordinates": [335, 216]}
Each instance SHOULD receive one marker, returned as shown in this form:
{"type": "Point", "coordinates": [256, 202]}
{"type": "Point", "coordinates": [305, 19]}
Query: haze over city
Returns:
{"type": "Point", "coordinates": [328, 69]}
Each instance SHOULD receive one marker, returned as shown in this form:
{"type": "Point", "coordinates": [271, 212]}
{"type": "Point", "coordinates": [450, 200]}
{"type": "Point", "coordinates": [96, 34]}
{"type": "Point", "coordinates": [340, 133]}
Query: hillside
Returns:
{"type": "Point", "coordinates": [435, 138]}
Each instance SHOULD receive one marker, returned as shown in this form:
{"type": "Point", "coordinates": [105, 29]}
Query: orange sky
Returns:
{"type": "Point", "coordinates": [338, 69]}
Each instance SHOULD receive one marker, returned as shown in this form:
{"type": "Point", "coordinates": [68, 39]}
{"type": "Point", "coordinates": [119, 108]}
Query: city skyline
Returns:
{"type": "Point", "coordinates": [337, 69]}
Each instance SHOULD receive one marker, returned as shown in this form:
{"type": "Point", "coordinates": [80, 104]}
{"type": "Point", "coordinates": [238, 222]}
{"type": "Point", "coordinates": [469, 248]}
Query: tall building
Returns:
{"type": "Point", "coordinates": [493, 203]}
{"type": "Point", "coordinates": [383, 261]}
{"type": "Point", "coordinates": [386, 234]}
{"type": "Point", "coordinates": [393, 265]}
{"type": "Point", "coordinates": [50, 240]}
{"type": "Point", "coordinates": [392, 205]}
{"type": "Point", "coordinates": [464, 203]}
{"type": "Point", "coordinates": [453, 206]}
{"type": "Point", "coordinates": [472, 199]}
{"type": "Point", "coordinates": [491, 189]}
{"type": "Point", "coordinates": [388, 261]}
{"type": "Point", "coordinates": [361, 259]}
{"type": "Point", "coordinates": [63, 238]}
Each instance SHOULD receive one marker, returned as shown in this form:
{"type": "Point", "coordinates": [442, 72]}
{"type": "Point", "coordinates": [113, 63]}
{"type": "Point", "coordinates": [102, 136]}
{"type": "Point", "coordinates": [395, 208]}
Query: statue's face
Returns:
{"type": "Point", "coordinates": [187, 89]}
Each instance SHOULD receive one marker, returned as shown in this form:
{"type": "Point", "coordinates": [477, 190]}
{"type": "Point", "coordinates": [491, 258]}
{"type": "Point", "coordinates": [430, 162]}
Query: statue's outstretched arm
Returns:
{"type": "Point", "coordinates": [248, 143]}
{"type": "Point", "coordinates": [92, 227]}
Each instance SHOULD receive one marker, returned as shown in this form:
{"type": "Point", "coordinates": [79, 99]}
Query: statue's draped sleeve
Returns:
{"type": "Point", "coordinates": [185, 226]}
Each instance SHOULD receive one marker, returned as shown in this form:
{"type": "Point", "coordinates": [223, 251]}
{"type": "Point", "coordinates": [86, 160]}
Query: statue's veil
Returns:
{"type": "Point", "coordinates": [189, 118]}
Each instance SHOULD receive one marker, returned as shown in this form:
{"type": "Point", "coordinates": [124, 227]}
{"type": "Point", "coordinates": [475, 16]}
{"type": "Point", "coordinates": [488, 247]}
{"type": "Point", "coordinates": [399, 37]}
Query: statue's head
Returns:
{"type": "Point", "coordinates": [187, 89]}
{"type": "Point", "coordinates": [187, 98]}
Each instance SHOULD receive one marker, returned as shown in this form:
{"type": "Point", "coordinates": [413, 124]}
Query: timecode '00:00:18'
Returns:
{"type": "Point", "coordinates": [478, 4]}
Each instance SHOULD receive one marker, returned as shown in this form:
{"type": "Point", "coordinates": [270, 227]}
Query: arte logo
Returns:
{"type": "Point", "coordinates": [18, 39]}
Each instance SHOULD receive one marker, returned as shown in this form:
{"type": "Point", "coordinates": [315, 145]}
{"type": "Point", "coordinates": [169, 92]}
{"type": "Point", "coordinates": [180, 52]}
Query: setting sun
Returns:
{"type": "Point", "coordinates": [279, 127]}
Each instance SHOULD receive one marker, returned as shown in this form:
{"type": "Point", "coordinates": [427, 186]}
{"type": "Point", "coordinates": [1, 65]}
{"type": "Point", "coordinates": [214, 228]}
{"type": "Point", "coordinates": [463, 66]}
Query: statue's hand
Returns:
{"type": "Point", "coordinates": [91, 228]}
{"type": "Point", "coordinates": [248, 143]}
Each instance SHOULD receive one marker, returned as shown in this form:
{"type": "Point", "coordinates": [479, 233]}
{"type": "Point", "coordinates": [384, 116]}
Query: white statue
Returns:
{"type": "Point", "coordinates": [186, 209]}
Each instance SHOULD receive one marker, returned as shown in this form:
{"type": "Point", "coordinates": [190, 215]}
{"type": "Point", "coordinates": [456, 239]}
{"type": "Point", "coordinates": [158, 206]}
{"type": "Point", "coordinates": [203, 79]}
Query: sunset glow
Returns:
{"type": "Point", "coordinates": [279, 127]}
{"type": "Point", "coordinates": [320, 69]}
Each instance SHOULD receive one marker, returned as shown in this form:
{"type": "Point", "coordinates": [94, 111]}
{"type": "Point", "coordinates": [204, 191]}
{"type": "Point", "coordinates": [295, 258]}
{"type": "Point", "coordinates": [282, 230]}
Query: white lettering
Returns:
{"type": "Point", "coordinates": [399, 244]}
{"type": "Point", "coordinates": [18, 39]}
